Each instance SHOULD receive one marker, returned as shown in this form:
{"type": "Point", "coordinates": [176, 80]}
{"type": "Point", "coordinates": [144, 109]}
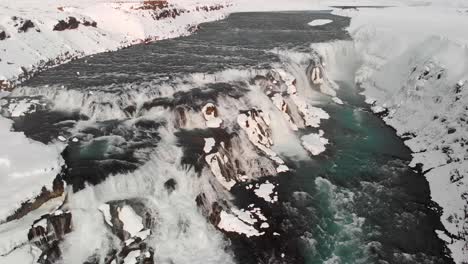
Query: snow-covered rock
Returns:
{"type": "Point", "coordinates": [209, 144]}
{"type": "Point", "coordinates": [265, 191]}
{"type": "Point", "coordinates": [256, 124]}
{"type": "Point", "coordinates": [315, 143]}
{"type": "Point", "coordinates": [232, 223]}
{"type": "Point", "coordinates": [217, 163]}
{"type": "Point", "coordinates": [210, 113]}
{"type": "Point", "coordinates": [311, 114]}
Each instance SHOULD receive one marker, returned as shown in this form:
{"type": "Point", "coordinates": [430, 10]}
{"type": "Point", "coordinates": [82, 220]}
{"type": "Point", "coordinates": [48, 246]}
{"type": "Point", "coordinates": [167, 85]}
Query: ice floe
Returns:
{"type": "Point", "coordinates": [319, 22]}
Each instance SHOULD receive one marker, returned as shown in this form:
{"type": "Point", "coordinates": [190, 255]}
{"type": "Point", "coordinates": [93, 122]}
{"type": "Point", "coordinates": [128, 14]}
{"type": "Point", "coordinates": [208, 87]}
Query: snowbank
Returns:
{"type": "Point", "coordinates": [25, 167]}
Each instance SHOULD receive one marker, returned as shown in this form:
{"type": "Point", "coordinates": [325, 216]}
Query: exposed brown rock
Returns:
{"type": "Point", "coordinates": [181, 118]}
{"type": "Point", "coordinates": [210, 110]}
{"type": "Point", "coordinates": [215, 217]}
{"type": "Point", "coordinates": [6, 85]}
{"type": "Point", "coordinates": [46, 195]}
{"type": "Point", "coordinates": [153, 5]}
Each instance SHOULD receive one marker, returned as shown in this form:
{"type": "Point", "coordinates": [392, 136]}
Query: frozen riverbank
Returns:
{"type": "Point", "coordinates": [415, 79]}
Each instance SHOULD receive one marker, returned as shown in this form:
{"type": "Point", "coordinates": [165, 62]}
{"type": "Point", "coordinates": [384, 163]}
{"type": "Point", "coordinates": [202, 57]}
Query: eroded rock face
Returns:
{"type": "Point", "coordinates": [256, 124]}
{"type": "Point", "coordinates": [47, 232]}
{"type": "Point", "coordinates": [131, 222]}
{"type": "Point", "coordinates": [180, 117]}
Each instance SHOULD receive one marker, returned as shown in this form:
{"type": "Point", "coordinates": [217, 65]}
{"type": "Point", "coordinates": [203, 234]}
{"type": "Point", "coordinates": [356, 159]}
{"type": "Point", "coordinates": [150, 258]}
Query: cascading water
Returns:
{"type": "Point", "coordinates": [217, 145]}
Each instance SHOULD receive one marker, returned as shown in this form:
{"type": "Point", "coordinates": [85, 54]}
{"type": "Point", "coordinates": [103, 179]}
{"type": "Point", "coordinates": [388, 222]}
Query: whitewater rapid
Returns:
{"type": "Point", "coordinates": [225, 142]}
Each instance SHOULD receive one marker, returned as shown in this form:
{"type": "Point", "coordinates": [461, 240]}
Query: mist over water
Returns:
{"type": "Point", "coordinates": [358, 202]}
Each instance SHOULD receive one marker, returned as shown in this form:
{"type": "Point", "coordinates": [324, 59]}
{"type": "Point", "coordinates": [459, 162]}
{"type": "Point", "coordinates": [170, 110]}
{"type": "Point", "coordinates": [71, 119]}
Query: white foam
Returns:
{"type": "Point", "coordinates": [319, 22]}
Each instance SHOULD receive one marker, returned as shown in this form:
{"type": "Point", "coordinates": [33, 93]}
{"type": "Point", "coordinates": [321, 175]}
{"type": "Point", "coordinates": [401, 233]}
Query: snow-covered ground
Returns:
{"type": "Point", "coordinates": [33, 38]}
{"type": "Point", "coordinates": [25, 167]}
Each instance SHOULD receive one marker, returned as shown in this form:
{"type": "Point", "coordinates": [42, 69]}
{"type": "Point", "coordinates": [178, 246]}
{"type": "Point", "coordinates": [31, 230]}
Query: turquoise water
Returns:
{"type": "Point", "coordinates": [359, 202]}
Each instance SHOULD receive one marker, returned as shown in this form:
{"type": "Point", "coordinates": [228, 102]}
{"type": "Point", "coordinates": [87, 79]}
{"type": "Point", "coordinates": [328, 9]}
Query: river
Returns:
{"type": "Point", "coordinates": [357, 202]}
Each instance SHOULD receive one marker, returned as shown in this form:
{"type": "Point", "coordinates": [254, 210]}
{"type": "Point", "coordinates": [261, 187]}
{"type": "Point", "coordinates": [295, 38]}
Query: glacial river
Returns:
{"type": "Point", "coordinates": [357, 202]}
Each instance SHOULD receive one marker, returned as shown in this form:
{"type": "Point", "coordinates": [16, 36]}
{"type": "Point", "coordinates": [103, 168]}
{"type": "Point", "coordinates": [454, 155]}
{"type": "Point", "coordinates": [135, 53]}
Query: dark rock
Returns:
{"type": "Point", "coordinates": [130, 110]}
{"type": "Point", "coordinates": [154, 5]}
{"type": "Point", "coordinates": [27, 24]}
{"type": "Point", "coordinates": [170, 185]}
{"type": "Point", "coordinates": [87, 23]}
{"type": "Point", "coordinates": [3, 35]}
{"type": "Point", "coordinates": [201, 200]}
{"type": "Point", "coordinates": [71, 23]}
{"type": "Point", "coordinates": [408, 135]}
{"type": "Point", "coordinates": [60, 26]}
{"type": "Point", "coordinates": [451, 130]}
{"type": "Point", "coordinates": [215, 216]}
{"type": "Point", "coordinates": [455, 176]}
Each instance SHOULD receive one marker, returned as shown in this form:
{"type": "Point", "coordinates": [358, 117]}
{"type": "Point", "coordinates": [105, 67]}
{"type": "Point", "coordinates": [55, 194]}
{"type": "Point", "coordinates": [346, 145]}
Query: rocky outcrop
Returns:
{"type": "Point", "coordinates": [72, 23]}
{"type": "Point", "coordinates": [47, 232]}
{"type": "Point", "coordinates": [25, 25]}
{"type": "Point", "coordinates": [3, 35]}
{"type": "Point", "coordinates": [5, 85]}
{"type": "Point", "coordinates": [153, 5]}
{"type": "Point", "coordinates": [210, 113]}
{"type": "Point", "coordinates": [43, 197]}
{"type": "Point", "coordinates": [132, 223]}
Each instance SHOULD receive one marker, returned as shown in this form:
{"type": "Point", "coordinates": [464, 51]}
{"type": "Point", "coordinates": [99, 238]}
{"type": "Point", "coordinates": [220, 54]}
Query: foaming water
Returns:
{"type": "Point", "coordinates": [182, 234]}
{"type": "Point", "coordinates": [137, 125]}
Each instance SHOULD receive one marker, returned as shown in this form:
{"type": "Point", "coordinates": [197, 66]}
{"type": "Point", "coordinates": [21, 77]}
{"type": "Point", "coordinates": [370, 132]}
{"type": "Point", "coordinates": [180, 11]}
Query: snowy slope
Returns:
{"type": "Point", "coordinates": [25, 167]}
{"type": "Point", "coordinates": [33, 40]}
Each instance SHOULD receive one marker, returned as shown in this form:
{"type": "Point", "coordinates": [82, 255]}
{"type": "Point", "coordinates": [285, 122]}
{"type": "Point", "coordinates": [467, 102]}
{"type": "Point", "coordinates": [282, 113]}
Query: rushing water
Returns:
{"type": "Point", "coordinates": [358, 202]}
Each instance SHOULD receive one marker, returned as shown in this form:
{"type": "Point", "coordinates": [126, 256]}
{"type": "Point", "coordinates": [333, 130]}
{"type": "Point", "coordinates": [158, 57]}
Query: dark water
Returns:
{"type": "Point", "coordinates": [242, 40]}
{"type": "Point", "coordinates": [358, 202]}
